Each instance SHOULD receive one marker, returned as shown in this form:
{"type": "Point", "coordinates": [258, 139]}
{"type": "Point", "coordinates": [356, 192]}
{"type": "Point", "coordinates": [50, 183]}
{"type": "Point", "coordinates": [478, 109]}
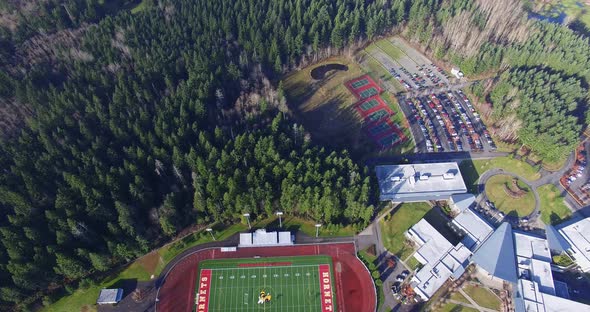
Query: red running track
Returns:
{"type": "Point", "coordinates": [354, 285]}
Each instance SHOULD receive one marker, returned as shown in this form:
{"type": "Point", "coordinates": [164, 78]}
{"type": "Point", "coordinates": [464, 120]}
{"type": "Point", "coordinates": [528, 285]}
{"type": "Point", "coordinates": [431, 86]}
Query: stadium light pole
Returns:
{"type": "Point", "coordinates": [247, 215]}
{"type": "Point", "coordinates": [317, 229]}
{"type": "Point", "coordinates": [280, 213]}
{"type": "Point", "coordinates": [210, 230]}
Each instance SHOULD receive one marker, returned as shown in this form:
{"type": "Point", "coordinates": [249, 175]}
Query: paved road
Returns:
{"type": "Point", "coordinates": [372, 236]}
{"type": "Point", "coordinates": [435, 157]}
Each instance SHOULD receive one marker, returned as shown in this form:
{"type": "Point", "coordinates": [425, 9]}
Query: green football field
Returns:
{"type": "Point", "coordinates": [295, 284]}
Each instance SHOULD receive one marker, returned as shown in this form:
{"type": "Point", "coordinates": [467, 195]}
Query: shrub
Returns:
{"type": "Point", "coordinates": [375, 274]}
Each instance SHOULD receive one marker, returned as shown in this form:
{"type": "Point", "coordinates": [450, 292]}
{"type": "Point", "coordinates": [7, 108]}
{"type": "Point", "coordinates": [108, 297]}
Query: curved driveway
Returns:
{"type": "Point", "coordinates": [497, 171]}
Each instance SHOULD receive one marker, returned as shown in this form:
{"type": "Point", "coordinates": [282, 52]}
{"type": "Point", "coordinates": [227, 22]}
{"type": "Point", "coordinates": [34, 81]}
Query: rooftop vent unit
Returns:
{"type": "Point", "coordinates": [448, 176]}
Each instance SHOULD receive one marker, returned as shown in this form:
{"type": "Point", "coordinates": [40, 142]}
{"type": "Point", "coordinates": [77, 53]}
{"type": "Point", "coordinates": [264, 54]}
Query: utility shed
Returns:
{"type": "Point", "coordinates": [110, 296]}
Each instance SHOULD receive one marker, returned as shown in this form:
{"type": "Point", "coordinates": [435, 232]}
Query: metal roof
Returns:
{"type": "Point", "coordinates": [463, 201]}
{"type": "Point", "coordinates": [556, 241]}
{"type": "Point", "coordinates": [497, 255]}
{"type": "Point", "coordinates": [475, 227]}
{"type": "Point", "coordinates": [110, 296]}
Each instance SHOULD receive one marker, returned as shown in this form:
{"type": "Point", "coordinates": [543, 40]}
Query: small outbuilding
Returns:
{"type": "Point", "coordinates": [110, 296]}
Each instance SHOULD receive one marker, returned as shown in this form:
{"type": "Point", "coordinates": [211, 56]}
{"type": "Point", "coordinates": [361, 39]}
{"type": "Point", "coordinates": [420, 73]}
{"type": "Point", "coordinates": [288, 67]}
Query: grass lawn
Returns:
{"type": "Point", "coordinates": [563, 260]}
{"type": "Point", "coordinates": [496, 192]}
{"type": "Point", "coordinates": [239, 282]}
{"type": "Point", "coordinates": [553, 208]}
{"type": "Point", "coordinates": [573, 8]}
{"type": "Point", "coordinates": [373, 67]}
{"type": "Point", "coordinates": [392, 51]}
{"type": "Point", "coordinates": [413, 263]}
{"type": "Point", "coordinates": [483, 297]}
{"type": "Point", "coordinates": [399, 119]}
{"type": "Point", "coordinates": [376, 70]}
{"type": "Point", "coordinates": [472, 169]}
{"type": "Point", "coordinates": [451, 307]}
{"type": "Point", "coordinates": [394, 226]}
{"type": "Point", "coordinates": [459, 297]}
{"type": "Point", "coordinates": [370, 262]}
{"type": "Point", "coordinates": [140, 7]}
{"type": "Point", "coordinates": [169, 252]}
{"type": "Point", "coordinates": [326, 107]}
{"type": "Point", "coordinates": [367, 256]}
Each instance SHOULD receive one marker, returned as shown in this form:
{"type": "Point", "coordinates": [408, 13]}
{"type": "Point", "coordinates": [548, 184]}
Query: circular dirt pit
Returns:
{"type": "Point", "coordinates": [320, 72]}
{"type": "Point", "coordinates": [496, 191]}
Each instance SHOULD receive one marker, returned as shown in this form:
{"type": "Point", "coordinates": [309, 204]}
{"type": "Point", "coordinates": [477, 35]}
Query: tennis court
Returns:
{"type": "Point", "coordinates": [368, 105]}
{"type": "Point", "coordinates": [303, 283]}
{"type": "Point", "coordinates": [369, 92]}
{"type": "Point", "coordinates": [377, 115]}
{"type": "Point", "coordinates": [380, 128]}
{"type": "Point", "coordinates": [359, 83]}
{"type": "Point", "coordinates": [389, 140]}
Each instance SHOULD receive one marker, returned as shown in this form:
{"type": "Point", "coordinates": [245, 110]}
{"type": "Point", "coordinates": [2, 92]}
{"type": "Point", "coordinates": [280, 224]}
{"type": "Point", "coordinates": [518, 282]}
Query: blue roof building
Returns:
{"type": "Point", "coordinates": [497, 255]}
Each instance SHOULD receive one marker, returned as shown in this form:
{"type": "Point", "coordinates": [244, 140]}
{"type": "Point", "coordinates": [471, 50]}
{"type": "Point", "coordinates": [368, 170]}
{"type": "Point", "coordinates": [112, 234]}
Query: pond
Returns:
{"type": "Point", "coordinates": [320, 72]}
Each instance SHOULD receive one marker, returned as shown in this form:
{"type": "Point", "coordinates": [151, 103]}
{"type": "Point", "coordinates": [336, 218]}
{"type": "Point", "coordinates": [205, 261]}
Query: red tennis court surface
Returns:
{"type": "Point", "coordinates": [378, 124]}
{"type": "Point", "coordinates": [361, 87]}
{"type": "Point", "coordinates": [375, 112]}
{"type": "Point", "coordinates": [354, 285]}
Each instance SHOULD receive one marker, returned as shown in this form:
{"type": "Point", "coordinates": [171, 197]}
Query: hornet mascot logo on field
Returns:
{"type": "Point", "coordinates": [264, 297]}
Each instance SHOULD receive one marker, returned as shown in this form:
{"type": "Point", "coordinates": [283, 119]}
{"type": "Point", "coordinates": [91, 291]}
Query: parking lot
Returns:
{"type": "Point", "coordinates": [446, 122]}
{"type": "Point", "coordinates": [577, 179]}
{"type": "Point", "coordinates": [441, 117]}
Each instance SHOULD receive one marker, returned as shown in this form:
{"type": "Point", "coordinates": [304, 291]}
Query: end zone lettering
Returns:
{"type": "Point", "coordinates": [326, 288]}
{"type": "Point", "coordinates": [202, 297]}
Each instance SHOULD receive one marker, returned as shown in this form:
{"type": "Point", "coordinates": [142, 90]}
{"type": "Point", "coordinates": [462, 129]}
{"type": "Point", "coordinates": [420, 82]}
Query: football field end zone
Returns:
{"type": "Point", "coordinates": [303, 282]}
{"type": "Point", "coordinates": [175, 292]}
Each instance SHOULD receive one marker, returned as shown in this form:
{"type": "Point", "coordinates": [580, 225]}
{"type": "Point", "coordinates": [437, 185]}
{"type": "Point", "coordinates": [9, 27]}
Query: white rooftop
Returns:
{"type": "Point", "coordinates": [432, 244]}
{"type": "Point", "coordinates": [475, 227]}
{"type": "Point", "coordinates": [537, 301]}
{"type": "Point", "coordinates": [577, 234]}
{"type": "Point", "coordinates": [532, 247]}
{"type": "Point", "coordinates": [417, 182]}
{"type": "Point", "coordinates": [440, 258]}
{"type": "Point", "coordinates": [245, 239]}
{"type": "Point", "coordinates": [261, 237]}
{"type": "Point", "coordinates": [534, 261]}
{"type": "Point", "coordinates": [437, 271]}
